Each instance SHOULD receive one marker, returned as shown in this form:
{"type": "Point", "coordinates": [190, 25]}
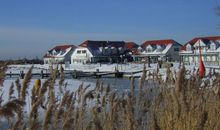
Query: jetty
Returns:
{"type": "Point", "coordinates": [79, 74]}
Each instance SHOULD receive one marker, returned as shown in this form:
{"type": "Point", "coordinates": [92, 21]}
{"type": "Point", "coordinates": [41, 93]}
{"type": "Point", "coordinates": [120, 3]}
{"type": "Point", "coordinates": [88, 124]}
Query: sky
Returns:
{"type": "Point", "coordinates": [28, 28]}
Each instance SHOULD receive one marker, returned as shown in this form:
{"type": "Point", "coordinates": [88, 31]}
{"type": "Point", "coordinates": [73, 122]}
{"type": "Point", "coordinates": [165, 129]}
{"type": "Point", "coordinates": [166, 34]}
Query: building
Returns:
{"type": "Point", "coordinates": [131, 47]}
{"type": "Point", "coordinates": [81, 55]}
{"type": "Point", "coordinates": [210, 50]}
{"type": "Point", "coordinates": [131, 50]}
{"type": "Point", "coordinates": [59, 54]}
{"type": "Point", "coordinates": [153, 51]}
{"type": "Point", "coordinates": [99, 51]}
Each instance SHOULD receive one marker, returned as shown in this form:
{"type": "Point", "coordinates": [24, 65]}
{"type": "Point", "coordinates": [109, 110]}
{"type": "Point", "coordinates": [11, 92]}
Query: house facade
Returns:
{"type": "Point", "coordinates": [99, 51]}
{"type": "Point", "coordinates": [210, 50]}
{"type": "Point", "coordinates": [155, 50]}
{"type": "Point", "coordinates": [81, 55]}
{"type": "Point", "coordinates": [59, 54]}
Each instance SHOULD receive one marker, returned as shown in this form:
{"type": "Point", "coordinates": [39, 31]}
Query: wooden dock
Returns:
{"type": "Point", "coordinates": [78, 74]}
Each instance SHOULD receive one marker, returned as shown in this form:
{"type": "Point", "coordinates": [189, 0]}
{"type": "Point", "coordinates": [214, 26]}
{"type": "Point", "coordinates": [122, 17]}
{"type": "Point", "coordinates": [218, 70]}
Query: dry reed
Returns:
{"type": "Point", "coordinates": [179, 103]}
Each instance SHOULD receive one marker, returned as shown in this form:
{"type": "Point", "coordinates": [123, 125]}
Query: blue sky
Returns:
{"type": "Point", "coordinates": [29, 28]}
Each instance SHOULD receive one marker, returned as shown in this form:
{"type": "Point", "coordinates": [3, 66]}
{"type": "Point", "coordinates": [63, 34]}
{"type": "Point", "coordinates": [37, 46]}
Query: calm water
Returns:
{"type": "Point", "coordinates": [121, 84]}
{"type": "Point", "coordinates": [117, 83]}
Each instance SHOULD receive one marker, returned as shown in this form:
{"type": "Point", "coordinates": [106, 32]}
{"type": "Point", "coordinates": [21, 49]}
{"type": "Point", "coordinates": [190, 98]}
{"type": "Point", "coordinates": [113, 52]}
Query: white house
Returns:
{"type": "Point", "coordinates": [166, 50]}
{"type": "Point", "coordinates": [100, 51]}
{"type": "Point", "coordinates": [210, 50]}
{"type": "Point", "coordinates": [81, 55]}
{"type": "Point", "coordinates": [59, 54]}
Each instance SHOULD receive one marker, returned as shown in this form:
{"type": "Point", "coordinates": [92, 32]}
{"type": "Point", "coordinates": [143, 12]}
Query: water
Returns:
{"type": "Point", "coordinates": [115, 83]}
{"type": "Point", "coordinates": [121, 84]}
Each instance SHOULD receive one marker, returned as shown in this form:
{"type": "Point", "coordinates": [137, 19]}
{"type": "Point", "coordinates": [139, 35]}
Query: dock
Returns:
{"type": "Point", "coordinates": [79, 74]}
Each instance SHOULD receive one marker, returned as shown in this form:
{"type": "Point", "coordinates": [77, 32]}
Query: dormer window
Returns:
{"type": "Point", "coordinates": [54, 52]}
{"type": "Point", "coordinates": [101, 49]}
{"type": "Point", "coordinates": [159, 48]}
{"type": "Point", "coordinates": [188, 47]}
{"type": "Point", "coordinates": [149, 48]}
{"type": "Point", "coordinates": [212, 46]}
{"type": "Point", "coordinates": [139, 48]}
{"type": "Point", "coordinates": [62, 52]}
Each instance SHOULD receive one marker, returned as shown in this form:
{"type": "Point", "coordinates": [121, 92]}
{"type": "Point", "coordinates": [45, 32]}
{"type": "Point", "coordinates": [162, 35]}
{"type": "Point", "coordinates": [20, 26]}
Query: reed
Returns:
{"type": "Point", "coordinates": [180, 102]}
{"type": "Point", "coordinates": [25, 84]}
{"type": "Point", "coordinates": [18, 87]}
{"type": "Point", "coordinates": [3, 68]}
{"type": "Point", "coordinates": [11, 92]}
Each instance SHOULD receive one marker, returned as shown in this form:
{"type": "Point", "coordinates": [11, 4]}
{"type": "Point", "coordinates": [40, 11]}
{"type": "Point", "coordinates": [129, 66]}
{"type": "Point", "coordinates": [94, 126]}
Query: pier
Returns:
{"type": "Point", "coordinates": [78, 74]}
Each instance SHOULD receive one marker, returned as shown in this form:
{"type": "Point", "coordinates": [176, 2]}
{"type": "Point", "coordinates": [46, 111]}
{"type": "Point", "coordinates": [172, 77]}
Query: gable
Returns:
{"type": "Point", "coordinates": [59, 51]}
{"type": "Point", "coordinates": [94, 46]}
{"type": "Point", "coordinates": [199, 43]}
{"type": "Point", "coordinates": [162, 43]}
{"type": "Point", "coordinates": [205, 40]}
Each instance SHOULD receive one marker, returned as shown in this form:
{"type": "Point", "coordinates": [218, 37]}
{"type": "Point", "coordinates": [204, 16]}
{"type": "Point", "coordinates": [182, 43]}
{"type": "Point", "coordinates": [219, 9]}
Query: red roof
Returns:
{"type": "Point", "coordinates": [96, 44]}
{"type": "Point", "coordinates": [158, 42]}
{"type": "Point", "coordinates": [130, 45]}
{"type": "Point", "coordinates": [135, 52]}
{"type": "Point", "coordinates": [63, 47]}
{"type": "Point", "coordinates": [193, 41]}
{"type": "Point", "coordinates": [59, 48]}
{"type": "Point", "coordinates": [48, 56]}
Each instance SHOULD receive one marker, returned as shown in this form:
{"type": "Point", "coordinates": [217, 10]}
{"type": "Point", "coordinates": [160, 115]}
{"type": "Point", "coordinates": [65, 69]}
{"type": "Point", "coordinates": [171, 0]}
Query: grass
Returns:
{"type": "Point", "coordinates": [179, 102]}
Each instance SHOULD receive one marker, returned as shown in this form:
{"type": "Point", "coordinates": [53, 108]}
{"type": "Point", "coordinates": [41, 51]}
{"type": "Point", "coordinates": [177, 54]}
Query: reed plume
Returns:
{"type": "Point", "coordinates": [11, 92]}
{"type": "Point", "coordinates": [3, 69]}
{"type": "Point", "coordinates": [18, 87]}
{"type": "Point", "coordinates": [11, 107]}
{"type": "Point", "coordinates": [180, 103]}
{"type": "Point", "coordinates": [25, 84]}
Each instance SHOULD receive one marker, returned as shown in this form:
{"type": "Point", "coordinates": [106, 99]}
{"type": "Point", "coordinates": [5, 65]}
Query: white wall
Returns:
{"type": "Point", "coordinates": [174, 54]}
{"type": "Point", "coordinates": [84, 56]}
{"type": "Point", "coordinates": [53, 60]}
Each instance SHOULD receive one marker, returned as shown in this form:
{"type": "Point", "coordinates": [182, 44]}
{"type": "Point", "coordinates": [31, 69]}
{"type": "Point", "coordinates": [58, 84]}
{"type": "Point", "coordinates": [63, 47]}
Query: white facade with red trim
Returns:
{"type": "Point", "coordinates": [210, 51]}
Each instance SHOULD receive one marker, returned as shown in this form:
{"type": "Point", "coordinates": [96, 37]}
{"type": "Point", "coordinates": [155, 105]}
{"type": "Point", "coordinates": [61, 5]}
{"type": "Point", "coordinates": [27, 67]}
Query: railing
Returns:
{"type": "Point", "coordinates": [205, 63]}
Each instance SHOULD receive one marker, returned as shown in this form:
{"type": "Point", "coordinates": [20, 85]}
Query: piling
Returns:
{"type": "Point", "coordinates": [42, 74]}
{"type": "Point", "coordinates": [74, 74]}
{"type": "Point", "coordinates": [22, 74]}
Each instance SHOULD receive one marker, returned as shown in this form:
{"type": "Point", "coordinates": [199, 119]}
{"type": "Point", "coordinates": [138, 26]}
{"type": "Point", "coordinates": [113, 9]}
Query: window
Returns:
{"type": "Point", "coordinates": [54, 52]}
{"type": "Point", "coordinates": [79, 52]}
{"type": "Point", "coordinates": [149, 49]}
{"type": "Point", "coordinates": [159, 48]}
{"type": "Point", "coordinates": [101, 49]}
{"type": "Point", "coordinates": [212, 46]}
{"type": "Point", "coordinates": [188, 47]}
{"type": "Point", "coordinates": [196, 59]}
{"type": "Point", "coordinates": [62, 52]}
{"type": "Point", "coordinates": [139, 49]}
{"type": "Point", "coordinates": [208, 58]}
{"type": "Point", "coordinates": [186, 59]}
{"type": "Point", "coordinates": [83, 51]}
{"type": "Point", "coordinates": [176, 49]}
{"type": "Point", "coordinates": [213, 58]}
